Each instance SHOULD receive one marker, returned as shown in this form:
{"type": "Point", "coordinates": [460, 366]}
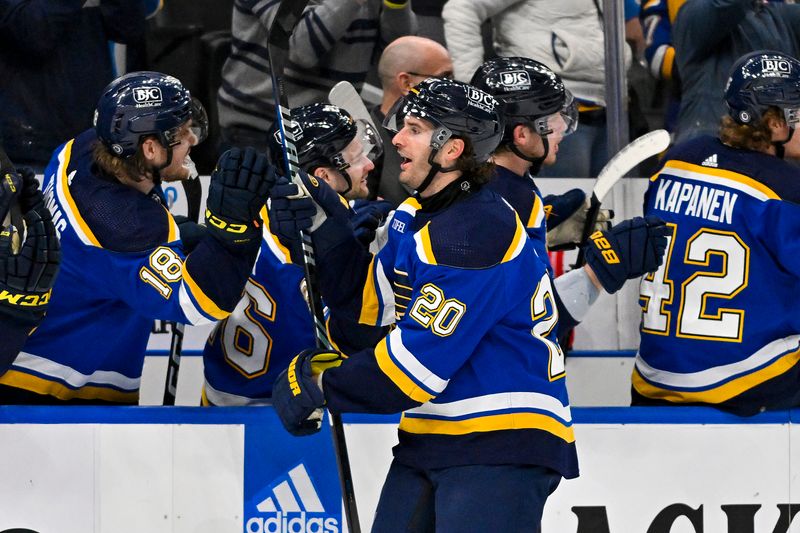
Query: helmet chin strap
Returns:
{"type": "Point", "coordinates": [536, 162]}
{"type": "Point", "coordinates": [779, 145]}
{"type": "Point", "coordinates": [157, 170]}
{"type": "Point", "coordinates": [435, 169]}
{"type": "Point", "coordinates": [347, 180]}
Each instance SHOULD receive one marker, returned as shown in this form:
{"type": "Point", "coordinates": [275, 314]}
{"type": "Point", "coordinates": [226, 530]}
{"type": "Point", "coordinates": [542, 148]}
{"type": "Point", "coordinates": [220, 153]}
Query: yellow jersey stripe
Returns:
{"type": "Point", "coordinates": [488, 423]}
{"type": "Point", "coordinates": [720, 173]}
{"type": "Point", "coordinates": [398, 377]}
{"type": "Point", "coordinates": [21, 380]}
{"type": "Point", "coordinates": [516, 242]}
{"type": "Point", "coordinates": [80, 226]}
{"type": "Point", "coordinates": [173, 227]}
{"type": "Point", "coordinates": [536, 213]}
{"type": "Point", "coordinates": [205, 303]}
{"type": "Point", "coordinates": [274, 243]}
{"type": "Point", "coordinates": [424, 248]}
{"type": "Point", "coordinates": [668, 62]}
{"type": "Point", "coordinates": [721, 393]}
{"type": "Point", "coordinates": [369, 298]}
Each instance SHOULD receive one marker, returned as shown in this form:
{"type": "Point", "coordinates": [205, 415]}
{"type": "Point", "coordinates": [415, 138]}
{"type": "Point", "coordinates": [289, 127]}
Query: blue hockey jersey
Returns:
{"type": "Point", "coordinates": [123, 265]}
{"type": "Point", "coordinates": [719, 322]}
{"type": "Point", "coordinates": [270, 325]}
{"type": "Point", "coordinates": [472, 360]}
{"type": "Point", "coordinates": [523, 195]}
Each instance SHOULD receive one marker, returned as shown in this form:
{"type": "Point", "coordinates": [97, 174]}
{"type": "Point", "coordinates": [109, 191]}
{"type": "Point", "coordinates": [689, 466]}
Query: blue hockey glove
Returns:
{"type": "Point", "coordinates": [367, 217]}
{"type": "Point", "coordinates": [239, 189]}
{"type": "Point", "coordinates": [296, 396]}
{"type": "Point", "coordinates": [289, 212]}
{"type": "Point", "coordinates": [31, 196]}
{"type": "Point", "coordinates": [27, 277]}
{"type": "Point", "coordinates": [566, 216]}
{"type": "Point", "coordinates": [626, 251]}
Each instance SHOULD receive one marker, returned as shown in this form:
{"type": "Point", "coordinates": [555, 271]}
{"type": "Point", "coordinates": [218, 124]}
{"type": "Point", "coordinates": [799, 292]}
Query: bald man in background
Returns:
{"type": "Point", "coordinates": [405, 62]}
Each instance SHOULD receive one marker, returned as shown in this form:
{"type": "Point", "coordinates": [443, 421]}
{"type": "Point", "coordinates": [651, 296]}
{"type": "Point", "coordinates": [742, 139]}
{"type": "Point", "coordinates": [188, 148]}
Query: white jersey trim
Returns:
{"type": "Point", "coordinates": [412, 365]}
{"type": "Point", "coordinates": [484, 405]}
{"type": "Point", "coordinates": [72, 377]}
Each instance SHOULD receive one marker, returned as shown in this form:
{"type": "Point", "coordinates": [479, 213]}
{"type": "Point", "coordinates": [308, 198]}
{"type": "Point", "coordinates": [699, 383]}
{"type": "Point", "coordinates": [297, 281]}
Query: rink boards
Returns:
{"type": "Point", "coordinates": [182, 470]}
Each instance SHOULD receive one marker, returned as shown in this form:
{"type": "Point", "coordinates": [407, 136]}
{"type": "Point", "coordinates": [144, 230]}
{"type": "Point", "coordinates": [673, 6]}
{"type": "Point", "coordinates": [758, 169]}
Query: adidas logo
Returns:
{"type": "Point", "coordinates": [711, 161]}
{"type": "Point", "coordinates": [293, 507]}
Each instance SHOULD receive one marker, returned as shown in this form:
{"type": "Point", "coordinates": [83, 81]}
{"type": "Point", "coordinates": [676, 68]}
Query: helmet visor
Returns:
{"type": "Point", "coordinates": [198, 126]}
{"type": "Point", "coordinates": [370, 139]}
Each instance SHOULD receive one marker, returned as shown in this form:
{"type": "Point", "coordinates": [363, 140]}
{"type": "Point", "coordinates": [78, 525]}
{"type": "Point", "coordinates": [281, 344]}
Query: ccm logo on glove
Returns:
{"type": "Point", "coordinates": [602, 244]}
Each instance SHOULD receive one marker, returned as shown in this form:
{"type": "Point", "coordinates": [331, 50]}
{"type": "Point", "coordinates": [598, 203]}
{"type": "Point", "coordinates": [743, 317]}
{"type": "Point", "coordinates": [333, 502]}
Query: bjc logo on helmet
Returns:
{"type": "Point", "coordinates": [147, 95]}
{"type": "Point", "coordinates": [776, 65]}
{"type": "Point", "coordinates": [515, 78]}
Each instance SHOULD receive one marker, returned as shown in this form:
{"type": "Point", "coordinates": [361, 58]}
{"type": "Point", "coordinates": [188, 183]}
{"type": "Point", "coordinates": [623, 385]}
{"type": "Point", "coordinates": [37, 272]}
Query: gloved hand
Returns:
{"type": "Point", "coordinates": [240, 185]}
{"type": "Point", "coordinates": [289, 202]}
{"type": "Point", "coordinates": [289, 212]}
{"type": "Point", "coordinates": [10, 187]}
{"type": "Point", "coordinates": [367, 217]}
{"type": "Point", "coordinates": [566, 216]}
{"type": "Point", "coordinates": [31, 196]}
{"type": "Point", "coordinates": [626, 251]}
{"type": "Point", "coordinates": [296, 396]}
{"type": "Point", "coordinates": [26, 278]}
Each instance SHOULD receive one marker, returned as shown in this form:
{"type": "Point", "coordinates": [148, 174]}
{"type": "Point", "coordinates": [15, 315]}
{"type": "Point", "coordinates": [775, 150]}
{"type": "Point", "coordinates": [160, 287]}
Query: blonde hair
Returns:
{"type": "Point", "coordinates": [134, 168]}
{"type": "Point", "coordinates": [757, 136]}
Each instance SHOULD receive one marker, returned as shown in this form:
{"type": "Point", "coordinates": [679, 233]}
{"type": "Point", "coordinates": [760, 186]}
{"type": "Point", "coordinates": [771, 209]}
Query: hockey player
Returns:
{"type": "Point", "coordinates": [26, 275]}
{"type": "Point", "coordinates": [247, 350]}
{"type": "Point", "coordinates": [472, 360]}
{"type": "Point", "coordinates": [123, 260]}
{"type": "Point", "coordinates": [719, 318]}
{"type": "Point", "coordinates": [539, 112]}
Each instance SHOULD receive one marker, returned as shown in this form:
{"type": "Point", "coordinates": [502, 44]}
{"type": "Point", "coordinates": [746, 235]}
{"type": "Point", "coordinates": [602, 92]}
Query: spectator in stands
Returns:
{"type": "Point", "coordinates": [336, 40]}
{"type": "Point", "coordinates": [719, 318]}
{"type": "Point", "coordinates": [657, 17]}
{"type": "Point", "coordinates": [405, 62]}
{"type": "Point", "coordinates": [54, 62]}
{"type": "Point", "coordinates": [705, 57]}
{"type": "Point", "coordinates": [566, 36]}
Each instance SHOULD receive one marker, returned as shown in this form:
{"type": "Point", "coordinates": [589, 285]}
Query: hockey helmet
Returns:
{"type": "Point", "coordinates": [321, 132]}
{"type": "Point", "coordinates": [455, 109]}
{"type": "Point", "coordinates": [760, 80]}
{"type": "Point", "coordinates": [530, 92]}
{"type": "Point", "coordinates": [146, 103]}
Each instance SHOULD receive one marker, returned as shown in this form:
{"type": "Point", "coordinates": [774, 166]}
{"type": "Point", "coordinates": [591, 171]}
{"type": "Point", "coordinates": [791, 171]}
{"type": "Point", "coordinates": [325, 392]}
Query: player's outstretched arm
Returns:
{"type": "Point", "coordinates": [566, 217]}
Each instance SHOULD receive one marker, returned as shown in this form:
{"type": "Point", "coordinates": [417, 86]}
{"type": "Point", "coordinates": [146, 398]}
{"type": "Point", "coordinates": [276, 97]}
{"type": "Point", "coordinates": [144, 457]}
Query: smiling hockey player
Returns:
{"type": "Point", "coordinates": [123, 260]}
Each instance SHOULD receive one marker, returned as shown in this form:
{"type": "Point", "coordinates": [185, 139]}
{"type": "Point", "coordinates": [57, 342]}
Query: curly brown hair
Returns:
{"type": "Point", "coordinates": [479, 173]}
{"type": "Point", "coordinates": [134, 167]}
{"type": "Point", "coordinates": [757, 137]}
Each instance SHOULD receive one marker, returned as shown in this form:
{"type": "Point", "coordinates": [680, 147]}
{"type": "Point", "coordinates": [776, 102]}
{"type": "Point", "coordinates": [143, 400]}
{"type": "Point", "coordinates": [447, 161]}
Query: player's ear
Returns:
{"type": "Point", "coordinates": [521, 133]}
{"type": "Point", "coordinates": [404, 81]}
{"type": "Point", "coordinates": [150, 148]}
{"type": "Point", "coordinates": [453, 150]}
{"type": "Point", "coordinates": [323, 174]}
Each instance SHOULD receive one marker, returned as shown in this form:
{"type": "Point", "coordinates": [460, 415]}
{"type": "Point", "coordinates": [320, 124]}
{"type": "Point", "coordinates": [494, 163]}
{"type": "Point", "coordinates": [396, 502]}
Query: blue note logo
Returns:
{"type": "Point", "coordinates": [293, 506]}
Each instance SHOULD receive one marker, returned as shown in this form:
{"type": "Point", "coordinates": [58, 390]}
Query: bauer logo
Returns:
{"type": "Point", "coordinates": [777, 67]}
{"type": "Point", "coordinates": [291, 504]}
{"type": "Point", "coordinates": [515, 79]}
{"type": "Point", "coordinates": [147, 96]}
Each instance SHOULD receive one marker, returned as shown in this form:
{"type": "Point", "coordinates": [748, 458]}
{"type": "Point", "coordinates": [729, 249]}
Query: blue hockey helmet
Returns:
{"type": "Point", "coordinates": [531, 93]}
{"type": "Point", "coordinates": [146, 103]}
{"type": "Point", "coordinates": [760, 80]}
{"type": "Point", "coordinates": [455, 109]}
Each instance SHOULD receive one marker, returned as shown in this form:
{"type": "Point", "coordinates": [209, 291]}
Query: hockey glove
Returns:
{"type": "Point", "coordinates": [27, 278]}
{"type": "Point", "coordinates": [239, 189]}
{"type": "Point", "coordinates": [626, 251]}
{"type": "Point", "coordinates": [297, 398]}
{"type": "Point", "coordinates": [10, 187]}
{"type": "Point", "coordinates": [367, 217]}
{"type": "Point", "coordinates": [289, 212]}
{"type": "Point", "coordinates": [326, 202]}
{"type": "Point", "coordinates": [566, 216]}
{"type": "Point", "coordinates": [191, 232]}
{"type": "Point", "coordinates": [31, 197]}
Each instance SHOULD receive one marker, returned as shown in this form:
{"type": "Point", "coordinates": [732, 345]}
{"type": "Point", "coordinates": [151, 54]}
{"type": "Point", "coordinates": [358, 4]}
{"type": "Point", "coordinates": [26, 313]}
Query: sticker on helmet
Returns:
{"type": "Point", "coordinates": [480, 99]}
{"type": "Point", "coordinates": [516, 79]}
{"type": "Point", "coordinates": [147, 96]}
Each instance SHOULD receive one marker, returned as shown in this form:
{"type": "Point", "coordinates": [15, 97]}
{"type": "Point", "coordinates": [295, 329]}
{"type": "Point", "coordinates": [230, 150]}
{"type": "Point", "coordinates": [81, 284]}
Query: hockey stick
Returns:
{"type": "Point", "coordinates": [13, 218]}
{"type": "Point", "coordinates": [193, 191]}
{"type": "Point", "coordinates": [286, 18]}
{"type": "Point", "coordinates": [635, 152]}
{"type": "Point", "coordinates": [344, 95]}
